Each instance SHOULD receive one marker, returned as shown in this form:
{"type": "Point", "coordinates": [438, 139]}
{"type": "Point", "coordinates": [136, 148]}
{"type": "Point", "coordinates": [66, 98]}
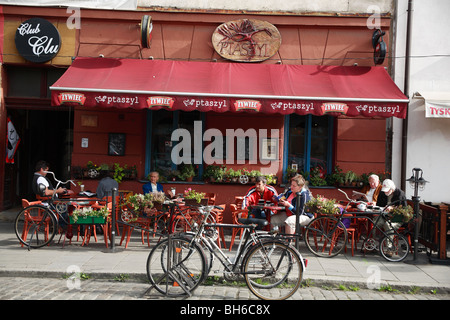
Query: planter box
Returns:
{"type": "Point", "coordinates": [192, 202]}
{"type": "Point", "coordinates": [88, 220]}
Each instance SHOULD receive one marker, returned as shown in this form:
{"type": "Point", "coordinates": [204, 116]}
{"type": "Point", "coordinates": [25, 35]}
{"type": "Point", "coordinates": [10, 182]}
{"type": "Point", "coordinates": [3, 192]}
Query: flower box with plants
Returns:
{"type": "Point", "coordinates": [89, 215]}
{"type": "Point", "coordinates": [401, 214]}
{"type": "Point", "coordinates": [193, 197]}
{"type": "Point", "coordinates": [322, 206]}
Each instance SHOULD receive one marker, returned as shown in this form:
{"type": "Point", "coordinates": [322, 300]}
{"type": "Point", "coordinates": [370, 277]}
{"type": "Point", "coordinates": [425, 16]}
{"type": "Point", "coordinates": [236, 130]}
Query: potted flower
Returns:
{"type": "Point", "coordinates": [187, 173]}
{"type": "Point", "coordinates": [253, 175]}
{"type": "Point", "coordinates": [401, 214]}
{"type": "Point", "coordinates": [139, 201]}
{"type": "Point", "coordinates": [322, 206]}
{"type": "Point", "coordinates": [233, 175]}
{"type": "Point", "coordinates": [317, 177]}
{"type": "Point", "coordinates": [336, 178]}
{"type": "Point", "coordinates": [350, 177]}
{"type": "Point", "coordinates": [88, 215]}
{"type": "Point", "coordinates": [194, 196]}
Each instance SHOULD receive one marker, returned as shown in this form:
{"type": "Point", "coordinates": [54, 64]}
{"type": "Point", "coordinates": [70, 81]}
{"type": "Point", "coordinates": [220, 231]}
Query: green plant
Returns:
{"type": "Point", "coordinates": [187, 171]}
{"type": "Point", "coordinates": [401, 213]}
{"type": "Point", "coordinates": [192, 194]}
{"type": "Point", "coordinates": [119, 172]}
{"type": "Point", "coordinates": [139, 201]}
{"type": "Point", "coordinates": [350, 176]}
{"type": "Point", "coordinates": [103, 212]}
{"type": "Point", "coordinates": [254, 173]}
{"type": "Point", "coordinates": [317, 176]}
{"type": "Point", "coordinates": [121, 277]}
{"type": "Point", "coordinates": [322, 205]}
{"type": "Point", "coordinates": [336, 178]}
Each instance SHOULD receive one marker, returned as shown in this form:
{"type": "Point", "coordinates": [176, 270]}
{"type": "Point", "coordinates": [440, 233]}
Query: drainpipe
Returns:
{"type": "Point", "coordinates": [406, 93]}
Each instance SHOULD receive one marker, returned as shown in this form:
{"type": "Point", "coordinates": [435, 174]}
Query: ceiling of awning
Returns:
{"type": "Point", "coordinates": [221, 87]}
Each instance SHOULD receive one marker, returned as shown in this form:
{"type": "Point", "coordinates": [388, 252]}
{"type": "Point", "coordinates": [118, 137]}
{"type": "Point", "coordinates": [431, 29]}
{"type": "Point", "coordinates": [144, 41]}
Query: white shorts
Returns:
{"type": "Point", "coordinates": [281, 218]}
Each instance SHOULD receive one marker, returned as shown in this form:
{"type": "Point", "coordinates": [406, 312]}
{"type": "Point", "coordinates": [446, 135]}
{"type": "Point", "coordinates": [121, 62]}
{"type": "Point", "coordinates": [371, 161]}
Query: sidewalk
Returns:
{"type": "Point", "coordinates": [95, 260]}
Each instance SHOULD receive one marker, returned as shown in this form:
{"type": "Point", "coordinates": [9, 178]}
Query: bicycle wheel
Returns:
{"type": "Point", "coordinates": [273, 270]}
{"type": "Point", "coordinates": [394, 247]}
{"type": "Point", "coordinates": [35, 226]}
{"type": "Point", "coordinates": [326, 236]}
{"type": "Point", "coordinates": [187, 267]}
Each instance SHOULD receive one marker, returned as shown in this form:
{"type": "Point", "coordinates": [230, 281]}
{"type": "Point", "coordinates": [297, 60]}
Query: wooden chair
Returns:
{"type": "Point", "coordinates": [236, 214]}
{"type": "Point", "coordinates": [211, 198]}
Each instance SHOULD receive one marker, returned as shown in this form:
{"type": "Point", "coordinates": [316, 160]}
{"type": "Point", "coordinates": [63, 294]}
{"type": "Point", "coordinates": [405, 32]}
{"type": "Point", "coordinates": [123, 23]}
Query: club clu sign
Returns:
{"type": "Point", "coordinates": [37, 40]}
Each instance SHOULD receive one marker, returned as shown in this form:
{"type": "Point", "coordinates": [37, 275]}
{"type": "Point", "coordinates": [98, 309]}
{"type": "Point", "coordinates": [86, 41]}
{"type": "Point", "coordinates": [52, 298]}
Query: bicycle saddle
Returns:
{"type": "Point", "coordinates": [259, 222]}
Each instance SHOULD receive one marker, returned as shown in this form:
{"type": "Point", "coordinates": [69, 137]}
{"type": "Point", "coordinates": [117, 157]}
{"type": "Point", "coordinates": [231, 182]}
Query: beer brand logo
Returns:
{"type": "Point", "coordinates": [160, 102]}
{"type": "Point", "coordinates": [246, 104]}
{"type": "Point", "coordinates": [71, 97]}
{"type": "Point", "coordinates": [331, 107]}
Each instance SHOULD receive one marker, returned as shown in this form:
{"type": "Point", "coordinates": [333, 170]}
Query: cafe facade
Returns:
{"type": "Point", "coordinates": [145, 90]}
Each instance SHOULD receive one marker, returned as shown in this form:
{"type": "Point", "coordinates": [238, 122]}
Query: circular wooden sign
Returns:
{"type": "Point", "coordinates": [246, 40]}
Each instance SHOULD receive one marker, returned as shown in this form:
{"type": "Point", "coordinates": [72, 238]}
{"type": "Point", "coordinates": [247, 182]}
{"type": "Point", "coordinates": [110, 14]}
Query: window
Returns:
{"type": "Point", "coordinates": [31, 82]}
{"type": "Point", "coordinates": [309, 141]}
{"type": "Point", "coordinates": [161, 124]}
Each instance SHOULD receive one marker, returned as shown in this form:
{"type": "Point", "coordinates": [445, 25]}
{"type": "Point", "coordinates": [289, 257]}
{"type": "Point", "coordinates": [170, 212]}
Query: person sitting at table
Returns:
{"type": "Point", "coordinates": [289, 201]}
{"type": "Point", "coordinates": [154, 185]}
{"type": "Point", "coordinates": [389, 197]}
{"type": "Point", "coordinates": [106, 184]}
{"type": "Point", "coordinates": [260, 191]}
{"type": "Point", "coordinates": [374, 189]}
{"type": "Point", "coordinates": [40, 179]}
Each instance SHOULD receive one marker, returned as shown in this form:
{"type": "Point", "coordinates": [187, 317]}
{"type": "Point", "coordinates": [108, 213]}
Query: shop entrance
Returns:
{"type": "Point", "coordinates": [44, 135]}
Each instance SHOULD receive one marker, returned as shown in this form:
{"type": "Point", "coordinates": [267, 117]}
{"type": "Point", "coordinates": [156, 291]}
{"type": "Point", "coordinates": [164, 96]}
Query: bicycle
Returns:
{"type": "Point", "coordinates": [36, 225]}
{"type": "Point", "coordinates": [326, 236]}
{"type": "Point", "coordinates": [271, 268]}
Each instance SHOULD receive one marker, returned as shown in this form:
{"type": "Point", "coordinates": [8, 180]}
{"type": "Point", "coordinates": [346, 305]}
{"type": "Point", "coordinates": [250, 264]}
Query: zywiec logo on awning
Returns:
{"type": "Point", "coordinates": [160, 102]}
{"type": "Point", "coordinates": [65, 97]}
{"type": "Point", "coordinates": [333, 107]}
{"type": "Point", "coordinates": [253, 105]}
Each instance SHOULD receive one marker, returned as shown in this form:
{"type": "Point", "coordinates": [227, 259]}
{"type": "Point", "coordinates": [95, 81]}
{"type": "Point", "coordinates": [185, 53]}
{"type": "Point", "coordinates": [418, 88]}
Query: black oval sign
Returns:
{"type": "Point", "coordinates": [37, 40]}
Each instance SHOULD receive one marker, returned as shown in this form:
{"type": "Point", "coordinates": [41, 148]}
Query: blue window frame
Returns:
{"type": "Point", "coordinates": [308, 142]}
{"type": "Point", "coordinates": [160, 125]}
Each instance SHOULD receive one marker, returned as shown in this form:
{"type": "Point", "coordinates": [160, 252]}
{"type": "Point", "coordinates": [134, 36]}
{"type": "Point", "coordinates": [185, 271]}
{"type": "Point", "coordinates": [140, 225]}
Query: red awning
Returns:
{"type": "Point", "coordinates": [220, 87]}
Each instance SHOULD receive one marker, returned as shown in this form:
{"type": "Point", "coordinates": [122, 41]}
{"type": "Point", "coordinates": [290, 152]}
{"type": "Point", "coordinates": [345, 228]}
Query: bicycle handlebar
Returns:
{"type": "Point", "coordinates": [59, 181]}
{"type": "Point", "coordinates": [351, 200]}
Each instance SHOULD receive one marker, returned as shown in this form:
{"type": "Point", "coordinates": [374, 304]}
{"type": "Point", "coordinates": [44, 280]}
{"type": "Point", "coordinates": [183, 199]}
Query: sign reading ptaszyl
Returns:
{"type": "Point", "coordinates": [37, 40]}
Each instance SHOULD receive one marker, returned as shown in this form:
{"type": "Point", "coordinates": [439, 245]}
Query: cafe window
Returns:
{"type": "Point", "coordinates": [161, 124]}
{"type": "Point", "coordinates": [309, 142]}
{"type": "Point", "coordinates": [31, 82]}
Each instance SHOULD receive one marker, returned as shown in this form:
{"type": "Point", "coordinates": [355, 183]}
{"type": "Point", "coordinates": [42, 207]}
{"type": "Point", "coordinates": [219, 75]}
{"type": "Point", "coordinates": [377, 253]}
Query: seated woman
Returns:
{"type": "Point", "coordinates": [288, 218]}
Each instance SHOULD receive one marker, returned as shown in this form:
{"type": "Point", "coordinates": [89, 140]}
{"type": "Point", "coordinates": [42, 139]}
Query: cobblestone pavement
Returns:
{"type": "Point", "coordinates": [27, 288]}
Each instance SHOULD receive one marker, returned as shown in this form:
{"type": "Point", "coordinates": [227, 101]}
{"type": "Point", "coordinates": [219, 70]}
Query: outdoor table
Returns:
{"type": "Point", "coordinates": [267, 208]}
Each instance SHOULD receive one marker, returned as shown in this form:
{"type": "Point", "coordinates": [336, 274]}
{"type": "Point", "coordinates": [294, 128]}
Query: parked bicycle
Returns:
{"type": "Point", "coordinates": [271, 268]}
{"type": "Point", "coordinates": [327, 236]}
{"type": "Point", "coordinates": [36, 225]}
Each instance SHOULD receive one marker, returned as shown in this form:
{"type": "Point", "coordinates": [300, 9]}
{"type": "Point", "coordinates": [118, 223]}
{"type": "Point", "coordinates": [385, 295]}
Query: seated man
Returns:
{"type": "Point", "coordinates": [41, 185]}
{"type": "Point", "coordinates": [390, 196]}
{"type": "Point", "coordinates": [374, 189]}
{"type": "Point", "coordinates": [106, 184]}
{"type": "Point", "coordinates": [254, 194]}
{"type": "Point", "coordinates": [154, 185]}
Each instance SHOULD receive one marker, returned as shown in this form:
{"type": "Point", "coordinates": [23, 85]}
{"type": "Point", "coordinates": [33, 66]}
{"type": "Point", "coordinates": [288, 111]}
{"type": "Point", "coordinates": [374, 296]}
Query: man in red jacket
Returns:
{"type": "Point", "coordinates": [254, 194]}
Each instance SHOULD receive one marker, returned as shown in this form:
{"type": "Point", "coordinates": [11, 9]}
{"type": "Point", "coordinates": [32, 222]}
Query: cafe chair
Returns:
{"type": "Point", "coordinates": [29, 219]}
{"type": "Point", "coordinates": [236, 214]}
{"type": "Point", "coordinates": [211, 198]}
